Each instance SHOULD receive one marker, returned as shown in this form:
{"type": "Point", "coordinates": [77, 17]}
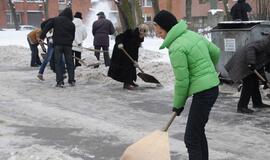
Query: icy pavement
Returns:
{"type": "Point", "coordinates": [97, 119]}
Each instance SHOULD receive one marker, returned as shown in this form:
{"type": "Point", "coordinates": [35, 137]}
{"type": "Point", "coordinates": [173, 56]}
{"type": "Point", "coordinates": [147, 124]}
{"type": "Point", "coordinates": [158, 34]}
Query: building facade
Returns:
{"type": "Point", "coordinates": [32, 11]}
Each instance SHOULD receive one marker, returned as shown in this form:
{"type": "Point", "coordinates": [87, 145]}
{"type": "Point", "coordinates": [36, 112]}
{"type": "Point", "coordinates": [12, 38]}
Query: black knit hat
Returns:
{"type": "Point", "coordinates": [165, 20]}
{"type": "Point", "coordinates": [78, 15]}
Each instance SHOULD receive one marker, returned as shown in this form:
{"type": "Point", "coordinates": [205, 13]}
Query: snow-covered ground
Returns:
{"type": "Point", "coordinates": [97, 119]}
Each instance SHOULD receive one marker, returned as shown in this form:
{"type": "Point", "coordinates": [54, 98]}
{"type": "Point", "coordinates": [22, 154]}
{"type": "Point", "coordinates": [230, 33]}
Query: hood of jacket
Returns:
{"type": "Point", "coordinates": [174, 33]}
{"type": "Point", "coordinates": [241, 1]}
{"type": "Point", "coordinates": [67, 12]}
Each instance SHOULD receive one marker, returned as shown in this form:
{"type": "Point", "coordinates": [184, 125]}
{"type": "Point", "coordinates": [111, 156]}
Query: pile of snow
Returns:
{"type": "Point", "coordinates": [16, 52]}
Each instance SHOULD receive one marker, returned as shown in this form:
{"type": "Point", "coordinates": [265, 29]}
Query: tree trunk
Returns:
{"type": "Point", "coordinates": [188, 10]}
{"type": "Point", "coordinates": [139, 17]}
{"type": "Point", "coordinates": [46, 6]}
{"type": "Point", "coordinates": [227, 13]}
{"type": "Point", "coordinates": [13, 14]}
{"type": "Point", "coordinates": [262, 7]}
{"type": "Point", "coordinates": [155, 4]}
{"type": "Point", "coordinates": [169, 5]}
{"type": "Point", "coordinates": [125, 14]}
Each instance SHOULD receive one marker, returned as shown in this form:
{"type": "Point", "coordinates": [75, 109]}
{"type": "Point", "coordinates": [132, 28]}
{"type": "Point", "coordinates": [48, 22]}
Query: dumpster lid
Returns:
{"type": "Point", "coordinates": [238, 25]}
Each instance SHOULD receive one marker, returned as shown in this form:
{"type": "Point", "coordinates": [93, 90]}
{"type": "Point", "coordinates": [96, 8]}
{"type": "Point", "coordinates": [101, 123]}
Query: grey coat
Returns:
{"type": "Point", "coordinates": [101, 30]}
{"type": "Point", "coordinates": [256, 53]}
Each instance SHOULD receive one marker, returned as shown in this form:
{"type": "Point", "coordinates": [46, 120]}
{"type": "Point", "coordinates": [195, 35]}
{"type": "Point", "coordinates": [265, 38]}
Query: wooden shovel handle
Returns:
{"type": "Point", "coordinates": [261, 77]}
{"type": "Point", "coordinates": [123, 49]}
{"type": "Point", "coordinates": [170, 122]}
{"type": "Point", "coordinates": [95, 50]}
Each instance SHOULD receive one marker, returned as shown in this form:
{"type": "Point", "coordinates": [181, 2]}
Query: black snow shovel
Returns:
{"type": "Point", "coordinates": [263, 80]}
{"type": "Point", "coordinates": [145, 77]}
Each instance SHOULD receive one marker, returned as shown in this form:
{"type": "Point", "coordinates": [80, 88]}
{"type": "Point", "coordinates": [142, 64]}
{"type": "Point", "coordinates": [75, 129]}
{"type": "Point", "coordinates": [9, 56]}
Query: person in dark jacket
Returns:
{"type": "Point", "coordinates": [101, 30]}
{"type": "Point", "coordinates": [239, 11]}
{"type": "Point", "coordinates": [255, 55]}
{"type": "Point", "coordinates": [122, 68]}
{"type": "Point", "coordinates": [63, 36]}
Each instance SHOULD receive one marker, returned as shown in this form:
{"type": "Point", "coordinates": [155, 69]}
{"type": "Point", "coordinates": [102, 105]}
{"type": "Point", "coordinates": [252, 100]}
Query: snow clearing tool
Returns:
{"type": "Point", "coordinates": [81, 61]}
{"type": "Point", "coordinates": [155, 146]}
{"type": "Point", "coordinates": [145, 77]}
{"type": "Point", "coordinates": [94, 50]}
{"type": "Point", "coordinates": [261, 78]}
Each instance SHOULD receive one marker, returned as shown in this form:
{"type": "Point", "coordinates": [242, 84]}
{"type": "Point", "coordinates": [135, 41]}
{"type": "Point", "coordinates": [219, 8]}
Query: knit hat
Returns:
{"type": "Point", "coordinates": [78, 15]}
{"type": "Point", "coordinates": [165, 20]}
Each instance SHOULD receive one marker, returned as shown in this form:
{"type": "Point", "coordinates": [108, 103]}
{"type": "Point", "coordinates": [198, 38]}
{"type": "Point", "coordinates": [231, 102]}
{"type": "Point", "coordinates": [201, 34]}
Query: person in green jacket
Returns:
{"type": "Point", "coordinates": [193, 59]}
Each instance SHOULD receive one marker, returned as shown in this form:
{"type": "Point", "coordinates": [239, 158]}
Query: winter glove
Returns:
{"type": "Point", "coordinates": [265, 86]}
{"type": "Point", "coordinates": [178, 110]}
{"type": "Point", "coordinates": [267, 68]}
{"type": "Point", "coordinates": [136, 65]}
{"type": "Point", "coordinates": [252, 67]}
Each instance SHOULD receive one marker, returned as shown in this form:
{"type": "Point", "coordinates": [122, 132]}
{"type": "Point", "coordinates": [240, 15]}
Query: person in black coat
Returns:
{"type": "Point", "coordinates": [239, 11]}
{"type": "Point", "coordinates": [122, 68]}
{"type": "Point", "coordinates": [63, 36]}
{"type": "Point", "coordinates": [255, 55]}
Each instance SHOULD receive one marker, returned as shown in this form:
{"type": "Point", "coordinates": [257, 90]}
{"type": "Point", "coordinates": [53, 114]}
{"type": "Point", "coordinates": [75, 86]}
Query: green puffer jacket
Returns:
{"type": "Point", "coordinates": [193, 59]}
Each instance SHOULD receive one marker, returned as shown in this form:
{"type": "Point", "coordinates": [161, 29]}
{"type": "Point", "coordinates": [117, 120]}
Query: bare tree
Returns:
{"type": "Point", "coordinates": [138, 9]}
{"type": "Point", "coordinates": [13, 14]}
{"type": "Point", "coordinates": [262, 7]}
{"type": "Point", "coordinates": [227, 13]}
{"type": "Point", "coordinates": [126, 15]}
{"type": "Point", "coordinates": [169, 5]}
{"type": "Point", "coordinates": [155, 4]}
{"type": "Point", "coordinates": [46, 6]}
{"type": "Point", "coordinates": [188, 10]}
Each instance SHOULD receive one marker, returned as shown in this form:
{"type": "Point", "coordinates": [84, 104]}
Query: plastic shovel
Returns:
{"type": "Point", "coordinates": [155, 146]}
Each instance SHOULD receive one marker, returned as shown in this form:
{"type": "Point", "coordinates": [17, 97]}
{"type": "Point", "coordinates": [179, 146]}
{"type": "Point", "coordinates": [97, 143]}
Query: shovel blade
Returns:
{"type": "Point", "coordinates": [148, 78]}
{"type": "Point", "coordinates": [155, 146]}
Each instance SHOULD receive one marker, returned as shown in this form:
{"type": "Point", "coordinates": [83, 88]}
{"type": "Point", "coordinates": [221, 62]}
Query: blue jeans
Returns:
{"type": "Point", "coordinates": [34, 55]}
{"type": "Point", "coordinates": [47, 59]}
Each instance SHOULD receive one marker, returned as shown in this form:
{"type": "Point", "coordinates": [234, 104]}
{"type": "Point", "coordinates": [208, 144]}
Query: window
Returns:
{"type": "Point", "coordinates": [147, 18]}
{"type": "Point", "coordinates": [62, 1]}
{"type": "Point", "coordinates": [146, 3]}
{"type": "Point", "coordinates": [39, 1]}
{"type": "Point", "coordinates": [10, 19]}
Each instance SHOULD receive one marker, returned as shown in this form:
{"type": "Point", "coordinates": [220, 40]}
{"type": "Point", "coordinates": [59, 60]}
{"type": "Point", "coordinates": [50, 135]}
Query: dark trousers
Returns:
{"type": "Point", "coordinates": [105, 54]}
{"type": "Point", "coordinates": [195, 138]}
{"type": "Point", "coordinates": [35, 60]}
{"type": "Point", "coordinates": [78, 55]}
{"type": "Point", "coordinates": [250, 89]}
{"type": "Point", "coordinates": [58, 55]}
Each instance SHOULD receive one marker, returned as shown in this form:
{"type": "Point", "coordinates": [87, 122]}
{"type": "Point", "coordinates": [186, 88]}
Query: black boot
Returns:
{"type": "Point", "coordinates": [134, 84]}
{"type": "Point", "coordinates": [261, 106]}
{"type": "Point", "coordinates": [128, 86]}
{"type": "Point", "coordinates": [244, 110]}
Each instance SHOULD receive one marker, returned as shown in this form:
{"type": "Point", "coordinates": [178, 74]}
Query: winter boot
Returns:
{"type": "Point", "coordinates": [244, 110]}
{"type": "Point", "coordinates": [60, 84]}
{"type": "Point", "coordinates": [40, 77]}
{"type": "Point", "coordinates": [261, 106]}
